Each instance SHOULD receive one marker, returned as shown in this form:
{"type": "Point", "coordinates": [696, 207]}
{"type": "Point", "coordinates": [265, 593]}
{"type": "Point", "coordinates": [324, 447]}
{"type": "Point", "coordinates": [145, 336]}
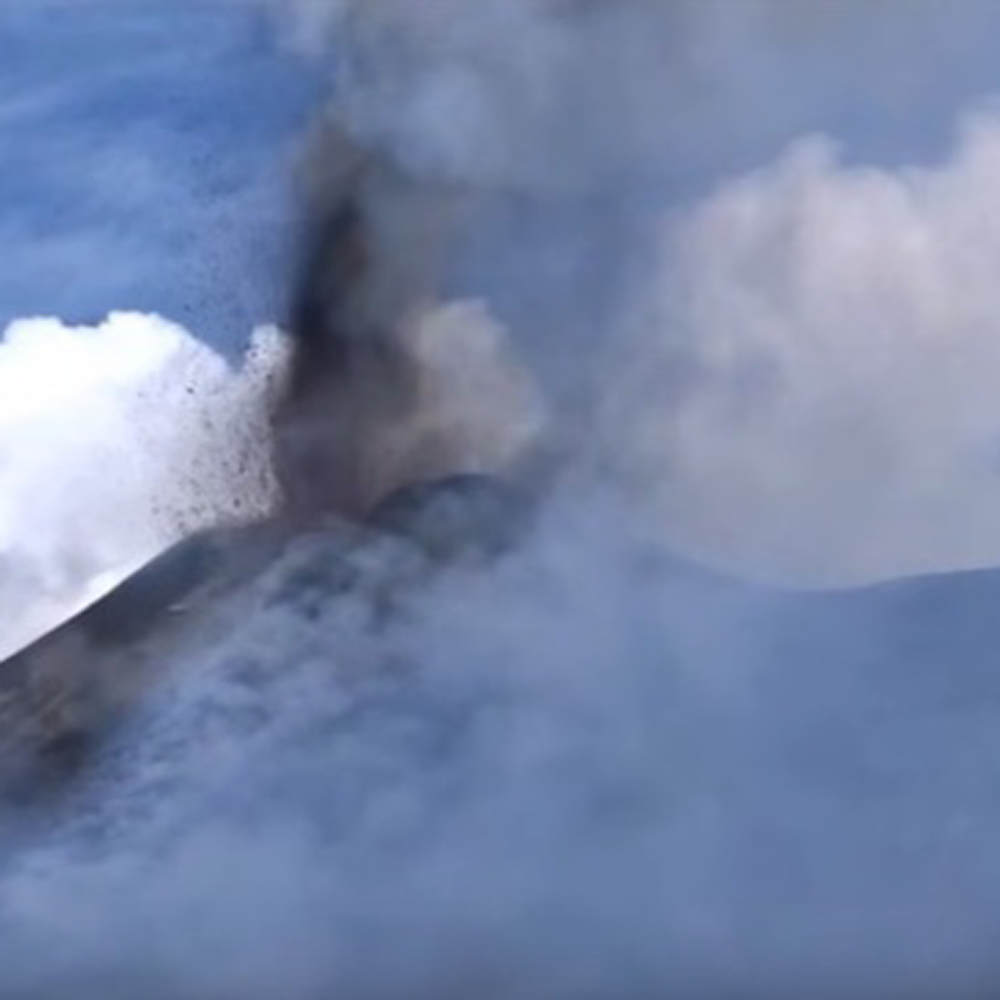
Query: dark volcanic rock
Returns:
{"type": "Point", "coordinates": [60, 695]}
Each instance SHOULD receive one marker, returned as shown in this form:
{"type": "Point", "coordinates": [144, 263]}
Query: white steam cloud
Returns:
{"type": "Point", "coordinates": [118, 440]}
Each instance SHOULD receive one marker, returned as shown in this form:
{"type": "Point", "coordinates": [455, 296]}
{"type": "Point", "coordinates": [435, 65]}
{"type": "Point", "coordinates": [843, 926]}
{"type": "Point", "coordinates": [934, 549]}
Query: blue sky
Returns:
{"type": "Point", "coordinates": [144, 162]}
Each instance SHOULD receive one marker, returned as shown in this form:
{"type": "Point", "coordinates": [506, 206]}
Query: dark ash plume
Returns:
{"type": "Point", "coordinates": [348, 373]}
{"type": "Point", "coordinates": [356, 419]}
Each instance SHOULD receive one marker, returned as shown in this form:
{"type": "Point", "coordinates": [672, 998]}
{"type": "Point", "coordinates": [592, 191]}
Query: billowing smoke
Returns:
{"type": "Point", "coordinates": [738, 350]}
{"type": "Point", "coordinates": [563, 242]}
{"type": "Point", "coordinates": [837, 329]}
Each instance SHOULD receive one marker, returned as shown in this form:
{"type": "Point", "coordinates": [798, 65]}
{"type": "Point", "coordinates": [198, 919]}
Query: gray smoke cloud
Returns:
{"type": "Point", "coordinates": [751, 272]}
{"type": "Point", "coordinates": [589, 768]}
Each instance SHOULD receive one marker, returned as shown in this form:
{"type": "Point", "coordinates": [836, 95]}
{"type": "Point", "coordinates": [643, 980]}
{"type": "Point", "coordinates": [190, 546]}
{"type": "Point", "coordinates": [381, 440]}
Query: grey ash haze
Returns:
{"type": "Point", "coordinates": [510, 735]}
